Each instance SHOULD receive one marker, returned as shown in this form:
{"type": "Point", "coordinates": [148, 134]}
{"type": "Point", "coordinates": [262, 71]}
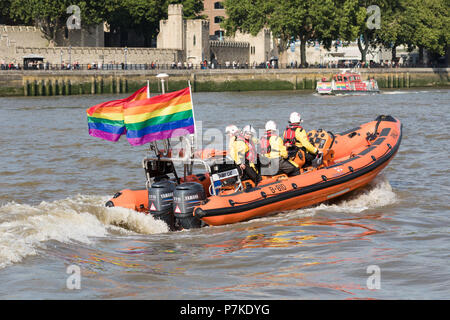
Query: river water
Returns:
{"type": "Point", "coordinates": [386, 241]}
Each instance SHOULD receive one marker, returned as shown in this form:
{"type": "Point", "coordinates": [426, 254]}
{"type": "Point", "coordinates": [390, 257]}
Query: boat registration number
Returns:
{"type": "Point", "coordinates": [277, 187]}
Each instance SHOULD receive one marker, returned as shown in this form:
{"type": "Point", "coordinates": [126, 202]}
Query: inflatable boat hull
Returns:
{"type": "Point", "coordinates": [359, 159]}
{"type": "Point", "coordinates": [359, 154]}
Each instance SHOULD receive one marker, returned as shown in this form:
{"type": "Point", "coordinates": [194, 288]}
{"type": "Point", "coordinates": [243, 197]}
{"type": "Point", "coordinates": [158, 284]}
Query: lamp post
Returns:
{"type": "Point", "coordinates": [70, 57]}
{"type": "Point", "coordinates": [163, 77]}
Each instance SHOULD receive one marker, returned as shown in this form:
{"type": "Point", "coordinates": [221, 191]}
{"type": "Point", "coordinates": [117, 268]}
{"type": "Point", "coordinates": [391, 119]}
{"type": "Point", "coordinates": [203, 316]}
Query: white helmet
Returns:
{"type": "Point", "coordinates": [271, 125]}
{"type": "Point", "coordinates": [295, 117]}
{"type": "Point", "coordinates": [231, 129]}
{"type": "Point", "coordinates": [248, 129]}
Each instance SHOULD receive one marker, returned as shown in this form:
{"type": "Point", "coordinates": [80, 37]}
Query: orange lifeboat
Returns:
{"type": "Point", "coordinates": [347, 82]}
{"type": "Point", "coordinates": [351, 160]}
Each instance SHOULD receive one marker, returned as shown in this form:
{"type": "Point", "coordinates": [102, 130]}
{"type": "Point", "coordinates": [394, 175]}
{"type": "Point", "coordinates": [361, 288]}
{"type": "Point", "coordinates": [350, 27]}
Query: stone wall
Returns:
{"type": "Point", "coordinates": [48, 83]}
{"type": "Point", "coordinates": [172, 32]}
{"type": "Point", "coordinates": [306, 79]}
{"type": "Point", "coordinates": [17, 35]}
{"type": "Point", "coordinates": [87, 47]}
{"type": "Point", "coordinates": [192, 37]}
{"type": "Point", "coordinates": [86, 37]}
{"type": "Point", "coordinates": [33, 37]}
{"type": "Point", "coordinates": [225, 52]}
{"type": "Point", "coordinates": [89, 55]}
{"type": "Point", "coordinates": [197, 41]}
{"type": "Point", "coordinates": [261, 46]}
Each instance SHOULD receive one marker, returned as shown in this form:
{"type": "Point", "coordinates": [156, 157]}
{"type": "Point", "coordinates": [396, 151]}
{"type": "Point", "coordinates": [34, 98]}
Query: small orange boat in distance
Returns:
{"type": "Point", "coordinates": [347, 82]}
{"type": "Point", "coordinates": [350, 160]}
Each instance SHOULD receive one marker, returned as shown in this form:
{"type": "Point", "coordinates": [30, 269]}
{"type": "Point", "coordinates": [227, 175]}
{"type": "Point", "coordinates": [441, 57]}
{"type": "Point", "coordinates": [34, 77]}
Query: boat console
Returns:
{"type": "Point", "coordinates": [323, 140]}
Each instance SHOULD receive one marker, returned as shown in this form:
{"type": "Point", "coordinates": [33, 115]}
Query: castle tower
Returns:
{"type": "Point", "coordinates": [172, 33]}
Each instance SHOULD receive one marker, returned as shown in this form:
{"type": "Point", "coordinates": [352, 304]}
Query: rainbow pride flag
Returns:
{"type": "Point", "coordinates": [105, 120]}
{"type": "Point", "coordinates": [160, 117]}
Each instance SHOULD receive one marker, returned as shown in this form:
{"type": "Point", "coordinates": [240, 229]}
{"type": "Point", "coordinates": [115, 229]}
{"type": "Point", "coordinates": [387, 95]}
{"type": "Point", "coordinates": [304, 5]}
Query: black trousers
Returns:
{"type": "Point", "coordinates": [250, 173]}
{"type": "Point", "coordinates": [308, 159]}
{"type": "Point", "coordinates": [288, 168]}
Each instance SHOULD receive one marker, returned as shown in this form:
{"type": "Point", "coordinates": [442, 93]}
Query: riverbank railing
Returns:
{"type": "Point", "coordinates": [203, 66]}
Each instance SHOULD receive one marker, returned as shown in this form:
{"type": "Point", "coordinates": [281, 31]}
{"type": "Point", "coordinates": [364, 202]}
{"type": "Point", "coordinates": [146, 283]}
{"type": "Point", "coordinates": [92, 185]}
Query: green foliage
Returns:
{"type": "Point", "coordinates": [427, 24]}
{"type": "Point", "coordinates": [143, 16]}
{"type": "Point", "coordinates": [423, 24]}
{"type": "Point", "coordinates": [191, 8]}
{"type": "Point", "coordinates": [51, 15]}
{"type": "Point", "coordinates": [415, 23]}
{"type": "Point", "coordinates": [288, 20]}
{"type": "Point", "coordinates": [247, 15]}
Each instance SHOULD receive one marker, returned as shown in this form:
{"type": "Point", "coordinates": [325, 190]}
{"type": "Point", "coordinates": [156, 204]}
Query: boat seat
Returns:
{"type": "Point", "coordinates": [328, 158]}
{"type": "Point", "coordinates": [269, 167]}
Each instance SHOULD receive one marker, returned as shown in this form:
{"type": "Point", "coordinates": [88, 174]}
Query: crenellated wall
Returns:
{"type": "Point", "coordinates": [16, 35]}
{"type": "Point", "coordinates": [228, 51]}
{"type": "Point", "coordinates": [89, 55]}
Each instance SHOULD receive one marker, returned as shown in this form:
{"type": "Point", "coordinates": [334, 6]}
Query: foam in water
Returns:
{"type": "Point", "coordinates": [132, 220]}
{"type": "Point", "coordinates": [376, 194]}
{"type": "Point", "coordinates": [25, 229]}
{"type": "Point", "coordinates": [397, 92]}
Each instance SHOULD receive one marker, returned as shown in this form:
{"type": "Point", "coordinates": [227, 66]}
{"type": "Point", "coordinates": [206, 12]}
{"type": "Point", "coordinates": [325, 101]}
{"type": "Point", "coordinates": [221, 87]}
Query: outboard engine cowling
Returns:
{"type": "Point", "coordinates": [187, 196]}
{"type": "Point", "coordinates": [160, 201]}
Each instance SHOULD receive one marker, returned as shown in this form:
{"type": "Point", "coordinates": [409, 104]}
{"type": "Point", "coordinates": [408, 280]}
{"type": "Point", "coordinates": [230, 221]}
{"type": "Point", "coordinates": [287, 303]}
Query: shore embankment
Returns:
{"type": "Point", "coordinates": [74, 82]}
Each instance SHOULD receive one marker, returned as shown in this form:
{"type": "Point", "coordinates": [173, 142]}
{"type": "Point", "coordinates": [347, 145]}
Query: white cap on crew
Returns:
{"type": "Point", "coordinates": [295, 118]}
{"type": "Point", "coordinates": [231, 129]}
{"type": "Point", "coordinates": [271, 125]}
{"type": "Point", "coordinates": [248, 129]}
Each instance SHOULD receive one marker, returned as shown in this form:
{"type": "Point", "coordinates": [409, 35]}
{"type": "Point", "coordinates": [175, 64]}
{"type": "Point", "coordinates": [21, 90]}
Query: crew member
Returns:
{"type": "Point", "coordinates": [232, 131]}
{"type": "Point", "coordinates": [296, 140]}
{"type": "Point", "coordinates": [273, 148]}
{"type": "Point", "coordinates": [245, 156]}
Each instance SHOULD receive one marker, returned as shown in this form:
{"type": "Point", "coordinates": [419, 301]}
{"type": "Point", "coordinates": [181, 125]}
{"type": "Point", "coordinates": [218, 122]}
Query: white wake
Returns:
{"type": "Point", "coordinates": [24, 229]}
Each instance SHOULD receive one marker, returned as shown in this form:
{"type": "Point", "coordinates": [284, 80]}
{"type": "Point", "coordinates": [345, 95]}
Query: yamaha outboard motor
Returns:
{"type": "Point", "coordinates": [187, 196]}
{"type": "Point", "coordinates": [160, 199]}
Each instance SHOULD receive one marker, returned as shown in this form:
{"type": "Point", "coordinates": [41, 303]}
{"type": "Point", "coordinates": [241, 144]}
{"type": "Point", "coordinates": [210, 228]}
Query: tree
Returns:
{"type": "Point", "coordinates": [140, 15]}
{"type": "Point", "coordinates": [427, 25]}
{"type": "Point", "coordinates": [191, 8]}
{"type": "Point", "coordinates": [51, 15]}
{"type": "Point", "coordinates": [288, 20]}
{"type": "Point", "coordinates": [5, 18]}
{"type": "Point", "coordinates": [354, 18]}
{"type": "Point", "coordinates": [392, 32]}
{"type": "Point", "coordinates": [143, 16]}
{"type": "Point", "coordinates": [423, 24]}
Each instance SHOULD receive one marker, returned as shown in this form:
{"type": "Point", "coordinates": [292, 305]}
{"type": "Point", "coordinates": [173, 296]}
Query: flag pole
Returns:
{"type": "Point", "coordinates": [192, 102]}
{"type": "Point", "coordinates": [193, 136]}
{"type": "Point", "coordinates": [152, 145]}
{"type": "Point", "coordinates": [193, 116]}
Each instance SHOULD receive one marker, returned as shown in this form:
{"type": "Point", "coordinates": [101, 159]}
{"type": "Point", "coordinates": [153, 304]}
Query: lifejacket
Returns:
{"type": "Point", "coordinates": [289, 133]}
{"type": "Point", "coordinates": [265, 143]}
{"type": "Point", "coordinates": [250, 155]}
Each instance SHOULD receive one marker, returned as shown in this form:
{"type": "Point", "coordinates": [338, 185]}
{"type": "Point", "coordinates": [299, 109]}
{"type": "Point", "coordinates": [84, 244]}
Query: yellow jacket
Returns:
{"type": "Point", "coordinates": [238, 152]}
{"type": "Point", "coordinates": [303, 141]}
{"type": "Point", "coordinates": [277, 148]}
{"type": "Point", "coordinates": [231, 146]}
